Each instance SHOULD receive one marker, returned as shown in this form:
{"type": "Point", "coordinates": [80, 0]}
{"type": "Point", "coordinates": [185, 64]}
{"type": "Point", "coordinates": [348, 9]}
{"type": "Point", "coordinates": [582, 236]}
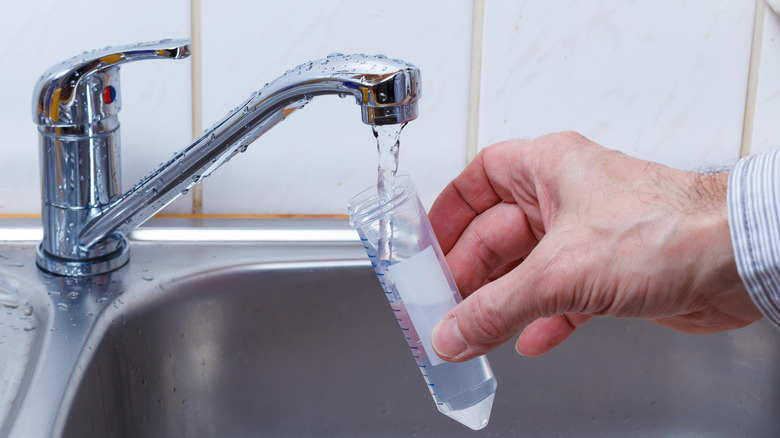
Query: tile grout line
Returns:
{"type": "Point", "coordinates": [197, 93]}
{"type": "Point", "coordinates": [752, 84]}
{"type": "Point", "coordinates": [472, 132]}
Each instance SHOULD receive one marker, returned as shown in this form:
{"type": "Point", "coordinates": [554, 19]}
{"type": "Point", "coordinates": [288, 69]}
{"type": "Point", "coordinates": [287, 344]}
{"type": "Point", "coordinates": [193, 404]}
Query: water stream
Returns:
{"type": "Point", "coordinates": [387, 145]}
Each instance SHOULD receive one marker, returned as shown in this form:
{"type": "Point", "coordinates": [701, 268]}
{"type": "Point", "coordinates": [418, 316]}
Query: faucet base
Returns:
{"type": "Point", "coordinates": [83, 268]}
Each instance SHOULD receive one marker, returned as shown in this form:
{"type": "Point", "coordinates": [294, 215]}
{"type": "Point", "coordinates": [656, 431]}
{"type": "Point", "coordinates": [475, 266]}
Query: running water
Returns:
{"type": "Point", "coordinates": [387, 145]}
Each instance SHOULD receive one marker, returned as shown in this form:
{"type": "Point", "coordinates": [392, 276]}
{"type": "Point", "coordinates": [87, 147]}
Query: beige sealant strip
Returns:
{"type": "Point", "coordinates": [752, 84]}
{"type": "Point", "coordinates": [472, 133]}
{"type": "Point", "coordinates": [197, 94]}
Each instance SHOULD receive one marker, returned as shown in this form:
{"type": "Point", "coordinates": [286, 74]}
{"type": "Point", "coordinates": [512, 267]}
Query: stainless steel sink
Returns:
{"type": "Point", "coordinates": [295, 338]}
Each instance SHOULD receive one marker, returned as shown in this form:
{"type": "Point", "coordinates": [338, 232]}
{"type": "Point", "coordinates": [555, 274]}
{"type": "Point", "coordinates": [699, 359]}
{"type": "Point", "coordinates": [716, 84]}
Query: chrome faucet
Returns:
{"type": "Point", "coordinates": [76, 103]}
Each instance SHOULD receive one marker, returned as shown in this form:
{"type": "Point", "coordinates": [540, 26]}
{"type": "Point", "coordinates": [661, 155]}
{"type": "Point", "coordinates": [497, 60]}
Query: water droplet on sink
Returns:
{"type": "Point", "coordinates": [335, 54]}
{"type": "Point", "coordinates": [148, 278]}
{"type": "Point", "coordinates": [380, 56]}
{"type": "Point", "coordinates": [27, 309]}
{"type": "Point", "coordinates": [63, 306]}
{"type": "Point", "coordinates": [29, 328]}
{"type": "Point", "coordinates": [73, 295]}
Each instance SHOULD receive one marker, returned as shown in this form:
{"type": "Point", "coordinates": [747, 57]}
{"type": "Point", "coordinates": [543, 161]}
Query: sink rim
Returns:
{"type": "Point", "coordinates": [210, 229]}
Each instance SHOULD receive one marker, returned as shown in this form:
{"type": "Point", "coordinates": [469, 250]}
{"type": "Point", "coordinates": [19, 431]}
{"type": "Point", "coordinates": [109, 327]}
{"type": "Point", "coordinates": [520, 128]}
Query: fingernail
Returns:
{"type": "Point", "coordinates": [447, 339]}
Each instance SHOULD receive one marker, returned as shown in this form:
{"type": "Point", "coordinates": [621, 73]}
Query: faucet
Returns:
{"type": "Point", "coordinates": [76, 103]}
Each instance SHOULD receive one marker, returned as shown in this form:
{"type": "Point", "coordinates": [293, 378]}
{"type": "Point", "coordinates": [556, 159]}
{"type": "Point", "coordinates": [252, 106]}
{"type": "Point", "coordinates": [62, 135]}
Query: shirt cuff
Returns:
{"type": "Point", "coordinates": [754, 221]}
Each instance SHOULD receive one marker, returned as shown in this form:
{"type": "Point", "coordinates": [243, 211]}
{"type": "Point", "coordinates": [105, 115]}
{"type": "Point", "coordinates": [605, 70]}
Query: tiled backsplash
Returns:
{"type": "Point", "coordinates": [320, 157]}
{"type": "Point", "coordinates": [663, 81]}
{"type": "Point", "coordinates": [660, 80]}
{"type": "Point", "coordinates": [766, 124]}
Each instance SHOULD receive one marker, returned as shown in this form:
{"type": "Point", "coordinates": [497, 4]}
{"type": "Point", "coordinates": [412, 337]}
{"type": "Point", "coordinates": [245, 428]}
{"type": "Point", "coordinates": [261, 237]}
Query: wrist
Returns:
{"type": "Point", "coordinates": [712, 235]}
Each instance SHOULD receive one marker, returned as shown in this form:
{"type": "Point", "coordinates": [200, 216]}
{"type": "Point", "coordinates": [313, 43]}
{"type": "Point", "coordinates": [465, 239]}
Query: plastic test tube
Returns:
{"type": "Point", "coordinates": [420, 288]}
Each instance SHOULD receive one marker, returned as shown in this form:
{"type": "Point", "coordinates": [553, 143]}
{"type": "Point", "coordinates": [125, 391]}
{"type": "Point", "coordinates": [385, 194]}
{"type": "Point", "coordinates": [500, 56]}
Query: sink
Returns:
{"type": "Point", "coordinates": [295, 338]}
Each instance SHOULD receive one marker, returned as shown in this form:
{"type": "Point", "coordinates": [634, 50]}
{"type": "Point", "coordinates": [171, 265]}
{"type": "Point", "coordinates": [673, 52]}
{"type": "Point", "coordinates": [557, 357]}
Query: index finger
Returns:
{"type": "Point", "coordinates": [484, 183]}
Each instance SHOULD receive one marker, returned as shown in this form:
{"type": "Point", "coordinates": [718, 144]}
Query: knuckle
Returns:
{"type": "Point", "coordinates": [569, 141]}
{"type": "Point", "coordinates": [571, 137]}
{"type": "Point", "coordinates": [556, 149]}
{"type": "Point", "coordinates": [487, 321]}
{"type": "Point", "coordinates": [562, 139]}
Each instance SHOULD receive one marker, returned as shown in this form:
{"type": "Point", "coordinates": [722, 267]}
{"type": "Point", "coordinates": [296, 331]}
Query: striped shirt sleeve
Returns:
{"type": "Point", "coordinates": [754, 221]}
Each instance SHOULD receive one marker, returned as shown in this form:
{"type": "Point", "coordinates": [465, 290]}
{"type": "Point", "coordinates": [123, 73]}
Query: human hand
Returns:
{"type": "Point", "coordinates": [542, 234]}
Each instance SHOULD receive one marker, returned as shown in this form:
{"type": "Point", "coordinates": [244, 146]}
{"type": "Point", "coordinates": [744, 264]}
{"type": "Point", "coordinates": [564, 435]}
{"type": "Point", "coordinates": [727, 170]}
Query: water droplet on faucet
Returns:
{"type": "Point", "coordinates": [8, 301]}
{"type": "Point", "coordinates": [335, 54]}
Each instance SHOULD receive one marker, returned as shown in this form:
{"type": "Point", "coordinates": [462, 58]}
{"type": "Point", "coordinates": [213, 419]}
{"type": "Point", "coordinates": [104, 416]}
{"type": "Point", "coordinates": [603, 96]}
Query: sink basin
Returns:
{"type": "Point", "coordinates": [259, 338]}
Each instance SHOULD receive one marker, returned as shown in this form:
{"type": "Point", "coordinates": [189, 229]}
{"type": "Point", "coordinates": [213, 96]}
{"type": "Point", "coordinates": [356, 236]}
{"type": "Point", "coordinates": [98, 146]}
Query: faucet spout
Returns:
{"type": "Point", "coordinates": [387, 91]}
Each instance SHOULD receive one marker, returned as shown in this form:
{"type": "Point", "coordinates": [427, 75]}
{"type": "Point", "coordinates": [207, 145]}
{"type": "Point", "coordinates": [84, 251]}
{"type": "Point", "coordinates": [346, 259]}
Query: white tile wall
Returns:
{"type": "Point", "coordinates": [321, 156]}
{"type": "Point", "coordinates": [156, 116]}
{"type": "Point", "coordinates": [660, 80]}
{"type": "Point", "coordinates": [766, 124]}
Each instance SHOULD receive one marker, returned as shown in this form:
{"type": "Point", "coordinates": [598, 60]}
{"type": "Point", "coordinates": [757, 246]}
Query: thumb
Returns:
{"type": "Point", "coordinates": [489, 316]}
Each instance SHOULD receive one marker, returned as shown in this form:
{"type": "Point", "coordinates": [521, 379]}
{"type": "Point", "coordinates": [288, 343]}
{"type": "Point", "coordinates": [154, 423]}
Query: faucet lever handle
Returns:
{"type": "Point", "coordinates": [85, 89]}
